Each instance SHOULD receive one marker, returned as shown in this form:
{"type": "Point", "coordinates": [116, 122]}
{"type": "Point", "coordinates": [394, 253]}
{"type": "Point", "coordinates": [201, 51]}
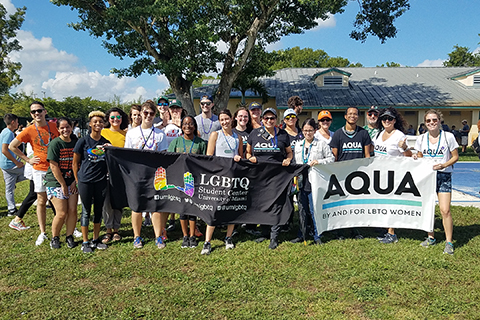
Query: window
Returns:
{"type": "Point", "coordinates": [332, 81]}
{"type": "Point", "coordinates": [410, 113]}
{"type": "Point", "coordinates": [476, 81]}
{"type": "Point", "coordinates": [455, 113]}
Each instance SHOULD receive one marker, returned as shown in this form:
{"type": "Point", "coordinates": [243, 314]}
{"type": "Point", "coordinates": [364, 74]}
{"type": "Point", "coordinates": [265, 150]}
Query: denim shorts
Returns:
{"type": "Point", "coordinates": [444, 182]}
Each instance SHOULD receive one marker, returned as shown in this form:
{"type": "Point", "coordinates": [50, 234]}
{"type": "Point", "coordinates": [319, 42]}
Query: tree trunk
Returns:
{"type": "Point", "coordinates": [181, 89]}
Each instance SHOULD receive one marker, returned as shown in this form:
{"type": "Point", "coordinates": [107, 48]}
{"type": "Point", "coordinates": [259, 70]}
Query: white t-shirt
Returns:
{"type": "Point", "coordinates": [439, 152]}
{"type": "Point", "coordinates": [318, 136]}
{"type": "Point", "coordinates": [172, 132]}
{"type": "Point", "coordinates": [390, 146]}
{"type": "Point", "coordinates": [146, 139]}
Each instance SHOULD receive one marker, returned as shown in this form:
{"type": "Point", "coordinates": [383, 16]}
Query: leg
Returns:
{"type": "Point", "coordinates": [42, 210]}
{"type": "Point", "coordinates": [444, 199]}
{"type": "Point", "coordinates": [10, 180]}
{"type": "Point", "coordinates": [98, 203]}
{"type": "Point", "coordinates": [27, 202]}
{"type": "Point", "coordinates": [71, 214]}
{"type": "Point", "coordinates": [158, 221]}
{"type": "Point", "coordinates": [184, 225]}
{"type": "Point", "coordinates": [86, 194]}
{"type": "Point", "coordinates": [209, 233]}
{"type": "Point", "coordinates": [136, 223]}
{"type": "Point", "coordinates": [191, 224]}
{"type": "Point", "coordinates": [59, 218]}
{"type": "Point", "coordinates": [230, 228]}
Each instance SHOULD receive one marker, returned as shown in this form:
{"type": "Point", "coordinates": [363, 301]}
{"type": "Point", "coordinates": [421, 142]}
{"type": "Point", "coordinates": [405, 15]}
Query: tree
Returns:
{"type": "Point", "coordinates": [308, 58]}
{"type": "Point", "coordinates": [9, 76]}
{"type": "Point", "coordinates": [462, 57]}
{"type": "Point", "coordinates": [390, 65]}
{"type": "Point", "coordinates": [178, 37]}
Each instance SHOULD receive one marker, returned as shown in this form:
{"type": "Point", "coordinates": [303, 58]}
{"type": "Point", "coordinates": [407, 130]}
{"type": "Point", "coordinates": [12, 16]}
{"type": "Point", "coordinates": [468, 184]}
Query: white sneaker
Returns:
{"type": "Point", "coordinates": [42, 237]}
{"type": "Point", "coordinates": [77, 234]}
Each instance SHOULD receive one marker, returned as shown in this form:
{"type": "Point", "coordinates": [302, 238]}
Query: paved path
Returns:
{"type": "Point", "coordinates": [465, 200]}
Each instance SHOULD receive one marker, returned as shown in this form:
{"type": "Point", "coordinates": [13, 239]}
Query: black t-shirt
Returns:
{"type": "Point", "coordinates": [244, 135]}
{"type": "Point", "coordinates": [350, 146]}
{"type": "Point", "coordinates": [269, 148]}
{"type": "Point", "coordinates": [294, 140]}
{"type": "Point", "coordinates": [93, 167]}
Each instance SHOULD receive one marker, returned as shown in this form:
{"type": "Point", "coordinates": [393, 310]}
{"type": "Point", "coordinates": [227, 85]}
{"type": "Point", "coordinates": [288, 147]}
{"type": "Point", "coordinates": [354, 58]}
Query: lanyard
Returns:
{"type": "Point", "coordinates": [305, 160]}
{"type": "Point", "coordinates": [40, 137]}
{"type": "Point", "coordinates": [275, 145]}
{"type": "Point", "coordinates": [438, 145]}
{"type": "Point", "coordinates": [184, 145]}
{"type": "Point", "coordinates": [228, 144]}
{"type": "Point", "coordinates": [209, 129]}
{"type": "Point", "coordinates": [146, 140]}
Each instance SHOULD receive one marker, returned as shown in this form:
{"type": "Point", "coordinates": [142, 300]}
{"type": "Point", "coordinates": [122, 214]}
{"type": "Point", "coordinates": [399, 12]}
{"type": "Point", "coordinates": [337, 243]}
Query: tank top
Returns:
{"type": "Point", "coordinates": [226, 146]}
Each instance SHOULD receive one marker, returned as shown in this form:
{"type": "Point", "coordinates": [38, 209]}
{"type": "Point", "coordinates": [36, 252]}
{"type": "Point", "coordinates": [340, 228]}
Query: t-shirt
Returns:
{"type": "Point", "coordinates": [181, 145]}
{"type": "Point", "coordinates": [294, 140]}
{"type": "Point", "coordinates": [172, 132]}
{"type": "Point", "coordinates": [244, 135]}
{"type": "Point", "coordinates": [62, 153]}
{"type": "Point", "coordinates": [207, 125]}
{"type": "Point", "coordinates": [390, 146]}
{"type": "Point", "coordinates": [440, 152]}
{"type": "Point", "coordinates": [93, 167]}
{"type": "Point", "coordinates": [39, 138]}
{"type": "Point", "coordinates": [350, 146]}
{"type": "Point", "coordinates": [372, 132]}
{"type": "Point", "coordinates": [116, 138]}
{"type": "Point", "coordinates": [319, 136]}
{"type": "Point", "coordinates": [6, 137]}
{"type": "Point", "coordinates": [146, 139]}
{"type": "Point", "coordinates": [226, 146]}
{"type": "Point", "coordinates": [269, 148]}
{"type": "Point", "coordinates": [465, 130]}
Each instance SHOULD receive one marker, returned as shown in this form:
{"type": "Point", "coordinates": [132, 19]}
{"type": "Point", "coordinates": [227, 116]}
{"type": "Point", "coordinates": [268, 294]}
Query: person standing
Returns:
{"type": "Point", "coordinates": [441, 147]}
{"type": "Point", "coordinates": [207, 122]}
{"type": "Point", "coordinates": [351, 142]}
{"type": "Point", "coordinates": [463, 134]}
{"type": "Point", "coordinates": [39, 135]}
{"type": "Point", "coordinates": [324, 122]}
{"type": "Point", "coordinates": [12, 167]}
{"type": "Point", "coordinates": [135, 116]}
{"type": "Point", "coordinates": [255, 109]}
{"type": "Point", "coordinates": [162, 107]}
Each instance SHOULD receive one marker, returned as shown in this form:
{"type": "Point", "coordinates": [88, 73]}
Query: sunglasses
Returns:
{"type": "Point", "coordinates": [290, 117]}
{"type": "Point", "coordinates": [372, 114]}
{"type": "Point", "coordinates": [146, 113]}
{"type": "Point", "coordinates": [205, 103]}
{"type": "Point", "coordinates": [269, 118]}
{"type": "Point", "coordinates": [119, 117]}
{"type": "Point", "coordinates": [163, 104]}
{"type": "Point", "coordinates": [325, 120]}
{"type": "Point", "coordinates": [389, 118]}
{"type": "Point", "coordinates": [37, 111]}
{"type": "Point", "coordinates": [431, 120]}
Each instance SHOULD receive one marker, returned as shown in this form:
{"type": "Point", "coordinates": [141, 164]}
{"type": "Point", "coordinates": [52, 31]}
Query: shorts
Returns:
{"type": "Point", "coordinates": [464, 140]}
{"type": "Point", "coordinates": [444, 182]}
{"type": "Point", "coordinates": [57, 193]}
{"type": "Point", "coordinates": [38, 177]}
{"type": "Point", "coordinates": [188, 217]}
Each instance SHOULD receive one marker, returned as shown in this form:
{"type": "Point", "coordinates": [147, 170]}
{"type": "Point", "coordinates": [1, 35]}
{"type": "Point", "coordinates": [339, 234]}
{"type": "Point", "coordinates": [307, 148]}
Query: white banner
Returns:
{"type": "Point", "coordinates": [374, 192]}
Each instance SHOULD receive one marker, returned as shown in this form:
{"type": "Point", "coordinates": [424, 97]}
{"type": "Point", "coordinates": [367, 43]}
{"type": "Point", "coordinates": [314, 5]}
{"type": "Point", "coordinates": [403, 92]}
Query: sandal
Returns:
{"type": "Point", "coordinates": [107, 238]}
{"type": "Point", "coordinates": [116, 237]}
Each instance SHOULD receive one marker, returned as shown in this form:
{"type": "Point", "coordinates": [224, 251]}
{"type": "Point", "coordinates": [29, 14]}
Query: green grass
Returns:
{"type": "Point", "coordinates": [351, 279]}
{"type": "Point", "coordinates": [469, 155]}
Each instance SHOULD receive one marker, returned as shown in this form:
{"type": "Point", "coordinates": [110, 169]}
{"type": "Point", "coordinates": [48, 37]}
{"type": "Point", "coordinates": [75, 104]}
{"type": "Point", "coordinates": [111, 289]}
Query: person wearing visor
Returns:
{"type": "Point", "coordinates": [207, 121]}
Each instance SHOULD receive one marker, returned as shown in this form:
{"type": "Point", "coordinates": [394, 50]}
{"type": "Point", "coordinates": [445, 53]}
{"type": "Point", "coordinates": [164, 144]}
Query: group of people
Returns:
{"type": "Point", "coordinates": [65, 166]}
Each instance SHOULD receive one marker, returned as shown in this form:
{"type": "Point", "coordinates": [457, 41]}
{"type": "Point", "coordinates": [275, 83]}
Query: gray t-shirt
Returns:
{"type": "Point", "coordinates": [207, 125]}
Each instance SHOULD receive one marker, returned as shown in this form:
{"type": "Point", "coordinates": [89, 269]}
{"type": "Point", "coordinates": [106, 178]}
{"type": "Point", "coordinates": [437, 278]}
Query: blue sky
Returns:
{"type": "Point", "coordinates": [60, 62]}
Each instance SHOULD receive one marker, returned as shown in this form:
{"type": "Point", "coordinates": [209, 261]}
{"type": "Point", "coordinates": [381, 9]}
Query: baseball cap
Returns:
{"type": "Point", "coordinates": [269, 110]}
{"type": "Point", "coordinates": [289, 112]}
{"type": "Point", "coordinates": [254, 105]}
{"type": "Point", "coordinates": [175, 103]}
{"type": "Point", "coordinates": [387, 113]}
{"type": "Point", "coordinates": [373, 109]}
{"type": "Point", "coordinates": [205, 97]}
{"type": "Point", "coordinates": [324, 114]}
{"type": "Point", "coordinates": [162, 98]}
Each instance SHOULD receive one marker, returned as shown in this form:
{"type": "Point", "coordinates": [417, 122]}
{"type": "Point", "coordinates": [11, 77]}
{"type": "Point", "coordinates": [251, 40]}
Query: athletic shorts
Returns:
{"type": "Point", "coordinates": [57, 193]}
{"type": "Point", "coordinates": [464, 140]}
{"type": "Point", "coordinates": [38, 177]}
{"type": "Point", "coordinates": [444, 182]}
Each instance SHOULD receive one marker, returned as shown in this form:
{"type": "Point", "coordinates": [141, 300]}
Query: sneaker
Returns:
{"type": "Point", "coordinates": [296, 240]}
{"type": "Point", "coordinates": [273, 244]}
{"type": "Point", "coordinates": [234, 233]}
{"type": "Point", "coordinates": [97, 244]}
{"type": "Point", "coordinates": [159, 242]}
{"type": "Point", "coordinates": [389, 238]}
{"type": "Point", "coordinates": [198, 234]}
{"type": "Point", "coordinates": [186, 242]}
{"type": "Point", "coordinates": [77, 234]}
{"type": "Point", "coordinates": [70, 242]}
{"type": "Point", "coordinates": [86, 248]}
{"type": "Point", "coordinates": [138, 243]}
{"type": "Point", "coordinates": [207, 248]}
{"type": "Point", "coordinates": [382, 236]}
{"type": "Point", "coordinates": [193, 242]}
{"type": "Point", "coordinates": [253, 232]}
{"type": "Point", "coordinates": [55, 243]}
{"type": "Point", "coordinates": [171, 225]}
{"type": "Point", "coordinates": [42, 237]}
{"type": "Point", "coordinates": [448, 248]}
{"type": "Point", "coordinates": [12, 212]}
{"type": "Point", "coordinates": [148, 221]}
{"type": "Point", "coordinates": [20, 225]}
{"type": "Point", "coordinates": [164, 235]}
{"type": "Point", "coordinates": [359, 237]}
{"type": "Point", "coordinates": [318, 242]}
{"type": "Point", "coordinates": [428, 242]}
{"type": "Point", "coordinates": [229, 243]}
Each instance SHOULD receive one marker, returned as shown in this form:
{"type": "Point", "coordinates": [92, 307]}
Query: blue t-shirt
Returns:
{"type": "Point", "coordinates": [6, 137]}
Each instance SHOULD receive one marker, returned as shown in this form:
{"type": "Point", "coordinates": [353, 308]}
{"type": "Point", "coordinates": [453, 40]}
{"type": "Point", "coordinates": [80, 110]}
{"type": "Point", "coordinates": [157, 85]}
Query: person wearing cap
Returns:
{"type": "Point", "coordinates": [371, 127]}
{"type": "Point", "coordinates": [255, 109]}
{"type": "Point", "coordinates": [162, 107]}
{"type": "Point", "coordinates": [464, 135]}
{"type": "Point", "coordinates": [207, 121]}
{"type": "Point", "coordinates": [269, 143]}
{"type": "Point", "coordinates": [391, 142]}
{"type": "Point", "coordinates": [351, 142]}
{"type": "Point", "coordinates": [172, 126]}
{"type": "Point", "coordinates": [324, 123]}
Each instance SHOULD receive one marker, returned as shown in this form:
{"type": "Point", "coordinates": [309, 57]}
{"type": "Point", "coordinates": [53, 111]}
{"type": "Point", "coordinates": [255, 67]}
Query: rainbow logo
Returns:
{"type": "Point", "coordinates": [160, 182]}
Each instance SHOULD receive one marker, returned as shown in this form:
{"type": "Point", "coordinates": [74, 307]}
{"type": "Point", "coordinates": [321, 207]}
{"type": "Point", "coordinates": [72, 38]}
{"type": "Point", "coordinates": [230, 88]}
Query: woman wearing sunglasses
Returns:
{"type": "Point", "coordinates": [442, 148]}
{"type": "Point", "coordinates": [114, 131]}
{"type": "Point", "coordinates": [324, 122]}
{"type": "Point", "coordinates": [390, 142]}
{"type": "Point", "coordinates": [147, 137]}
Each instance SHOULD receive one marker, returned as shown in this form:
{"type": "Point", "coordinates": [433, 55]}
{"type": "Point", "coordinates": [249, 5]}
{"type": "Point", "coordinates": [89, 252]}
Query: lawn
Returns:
{"type": "Point", "coordinates": [351, 279]}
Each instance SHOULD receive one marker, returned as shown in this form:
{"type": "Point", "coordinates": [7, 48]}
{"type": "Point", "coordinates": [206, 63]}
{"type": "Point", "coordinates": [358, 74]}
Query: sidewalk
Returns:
{"type": "Point", "coordinates": [465, 200]}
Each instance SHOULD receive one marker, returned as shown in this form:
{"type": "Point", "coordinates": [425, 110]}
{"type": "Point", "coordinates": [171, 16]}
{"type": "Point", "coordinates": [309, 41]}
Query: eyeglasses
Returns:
{"type": "Point", "coordinates": [188, 124]}
{"type": "Point", "coordinates": [163, 104]}
{"type": "Point", "coordinates": [269, 118]}
{"type": "Point", "coordinates": [205, 103]}
{"type": "Point", "coordinates": [325, 120]}
{"type": "Point", "coordinates": [373, 114]}
{"type": "Point", "coordinates": [290, 117]}
{"type": "Point", "coordinates": [308, 131]}
{"type": "Point", "coordinates": [389, 118]}
{"type": "Point", "coordinates": [431, 120]}
{"type": "Point", "coordinates": [37, 111]}
{"type": "Point", "coordinates": [119, 117]}
{"type": "Point", "coordinates": [146, 113]}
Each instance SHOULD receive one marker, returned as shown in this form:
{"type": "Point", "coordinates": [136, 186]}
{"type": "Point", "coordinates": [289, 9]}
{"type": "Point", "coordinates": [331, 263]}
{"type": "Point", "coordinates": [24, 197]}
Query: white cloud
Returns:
{"type": "Point", "coordinates": [477, 50]}
{"type": "Point", "coordinates": [432, 63]}
{"type": "Point", "coordinates": [8, 6]}
{"type": "Point", "coordinates": [330, 22]}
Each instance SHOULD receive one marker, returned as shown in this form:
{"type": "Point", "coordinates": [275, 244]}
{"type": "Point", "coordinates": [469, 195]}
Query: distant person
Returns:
{"type": "Point", "coordinates": [255, 110]}
{"type": "Point", "coordinates": [371, 127]}
{"type": "Point", "coordinates": [295, 103]}
{"type": "Point", "coordinates": [410, 130]}
{"type": "Point", "coordinates": [456, 134]}
{"type": "Point", "coordinates": [464, 135]}
{"type": "Point", "coordinates": [162, 107]}
{"type": "Point", "coordinates": [76, 129]}
{"type": "Point", "coordinates": [134, 116]}
{"type": "Point", "coordinates": [207, 121]}
{"type": "Point", "coordinates": [445, 127]}
{"type": "Point", "coordinates": [422, 129]}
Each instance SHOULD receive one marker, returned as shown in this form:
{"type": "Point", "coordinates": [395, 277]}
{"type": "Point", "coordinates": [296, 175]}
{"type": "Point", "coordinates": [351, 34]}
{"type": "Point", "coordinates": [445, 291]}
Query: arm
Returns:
{"type": "Point", "coordinates": [14, 148]}
{"type": "Point", "coordinates": [240, 149]}
{"type": "Point", "coordinates": [250, 155]}
{"type": "Point", "coordinates": [335, 153]}
{"type": "Point", "coordinates": [289, 157]}
{"type": "Point", "coordinates": [212, 143]}
{"type": "Point", "coordinates": [366, 150]}
{"type": "Point", "coordinates": [450, 162]}
{"type": "Point", "coordinates": [76, 165]}
{"type": "Point", "coordinates": [9, 156]}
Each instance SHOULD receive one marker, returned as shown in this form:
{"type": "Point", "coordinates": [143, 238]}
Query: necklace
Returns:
{"type": "Point", "coordinates": [209, 129]}
{"type": "Point", "coordinates": [350, 135]}
{"type": "Point", "coordinates": [184, 145]}
{"type": "Point", "coordinates": [144, 144]}
{"type": "Point", "coordinates": [438, 145]}
{"type": "Point", "coordinates": [40, 137]}
{"type": "Point", "coordinates": [234, 135]}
